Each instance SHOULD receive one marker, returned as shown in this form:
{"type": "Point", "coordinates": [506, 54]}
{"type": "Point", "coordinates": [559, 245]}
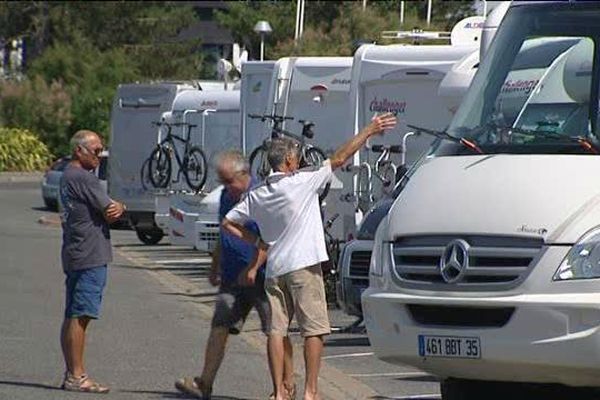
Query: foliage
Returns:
{"type": "Point", "coordinates": [90, 77]}
{"type": "Point", "coordinates": [21, 150]}
{"type": "Point", "coordinates": [332, 28]}
{"type": "Point", "coordinates": [38, 106]}
{"type": "Point", "coordinates": [341, 36]}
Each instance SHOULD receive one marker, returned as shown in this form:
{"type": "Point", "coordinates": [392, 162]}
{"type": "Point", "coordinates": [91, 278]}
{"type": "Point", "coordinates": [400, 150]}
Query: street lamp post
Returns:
{"type": "Point", "coordinates": [263, 28]}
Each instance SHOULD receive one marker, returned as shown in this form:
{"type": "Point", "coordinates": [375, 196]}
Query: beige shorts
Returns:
{"type": "Point", "coordinates": [300, 293]}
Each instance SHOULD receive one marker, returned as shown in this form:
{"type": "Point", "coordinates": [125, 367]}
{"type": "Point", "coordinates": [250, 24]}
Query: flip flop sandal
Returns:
{"type": "Point", "coordinates": [83, 384]}
{"type": "Point", "coordinates": [193, 387]}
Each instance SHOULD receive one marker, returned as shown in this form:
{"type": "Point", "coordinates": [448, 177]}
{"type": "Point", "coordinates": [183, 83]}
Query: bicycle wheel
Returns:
{"type": "Point", "coordinates": [194, 168]}
{"type": "Point", "coordinates": [159, 167]}
{"type": "Point", "coordinates": [145, 174]}
{"type": "Point", "coordinates": [259, 164]}
{"type": "Point", "coordinates": [313, 156]}
{"type": "Point", "coordinates": [388, 175]}
{"type": "Point", "coordinates": [363, 190]}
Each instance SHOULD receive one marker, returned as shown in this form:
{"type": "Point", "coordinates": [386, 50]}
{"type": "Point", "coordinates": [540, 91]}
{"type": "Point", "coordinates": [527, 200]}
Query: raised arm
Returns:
{"type": "Point", "coordinates": [378, 125]}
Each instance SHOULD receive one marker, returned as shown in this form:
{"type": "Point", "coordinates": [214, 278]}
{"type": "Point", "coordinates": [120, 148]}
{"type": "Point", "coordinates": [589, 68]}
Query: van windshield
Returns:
{"type": "Point", "coordinates": [536, 91]}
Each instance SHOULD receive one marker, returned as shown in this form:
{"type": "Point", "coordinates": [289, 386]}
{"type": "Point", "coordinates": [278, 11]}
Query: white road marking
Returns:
{"type": "Point", "coordinates": [347, 355]}
{"type": "Point", "coordinates": [419, 397]}
{"type": "Point", "coordinates": [203, 260]}
{"type": "Point", "coordinates": [397, 374]}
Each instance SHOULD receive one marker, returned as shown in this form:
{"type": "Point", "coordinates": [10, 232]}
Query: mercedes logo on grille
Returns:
{"type": "Point", "coordinates": [454, 261]}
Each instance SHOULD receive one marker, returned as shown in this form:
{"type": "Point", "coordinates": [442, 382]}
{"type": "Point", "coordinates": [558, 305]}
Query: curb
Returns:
{"type": "Point", "coordinates": [20, 177]}
{"type": "Point", "coordinates": [333, 383]}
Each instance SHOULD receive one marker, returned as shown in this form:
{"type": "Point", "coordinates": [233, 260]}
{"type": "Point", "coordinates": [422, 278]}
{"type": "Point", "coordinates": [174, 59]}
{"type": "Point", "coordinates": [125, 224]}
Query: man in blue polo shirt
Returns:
{"type": "Point", "coordinates": [235, 300]}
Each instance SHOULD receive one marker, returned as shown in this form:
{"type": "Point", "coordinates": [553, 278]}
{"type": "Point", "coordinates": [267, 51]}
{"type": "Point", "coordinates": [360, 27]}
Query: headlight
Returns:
{"type": "Point", "coordinates": [583, 260]}
{"type": "Point", "coordinates": [381, 250]}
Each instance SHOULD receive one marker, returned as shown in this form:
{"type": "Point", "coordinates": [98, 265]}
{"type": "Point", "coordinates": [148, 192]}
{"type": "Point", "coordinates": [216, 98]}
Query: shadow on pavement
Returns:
{"type": "Point", "coordinates": [343, 342]}
{"type": "Point", "coordinates": [177, 395]}
{"type": "Point", "coordinates": [411, 397]}
{"type": "Point", "coordinates": [194, 295]}
{"type": "Point", "coordinates": [424, 378]}
{"type": "Point", "coordinates": [30, 385]}
{"type": "Point", "coordinates": [44, 209]}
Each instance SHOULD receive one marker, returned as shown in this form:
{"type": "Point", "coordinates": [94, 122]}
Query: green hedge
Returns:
{"type": "Point", "coordinates": [21, 150]}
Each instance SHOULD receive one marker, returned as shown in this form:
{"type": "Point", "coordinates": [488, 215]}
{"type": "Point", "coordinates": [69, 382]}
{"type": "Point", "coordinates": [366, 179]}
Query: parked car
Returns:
{"type": "Point", "coordinates": [355, 259]}
{"type": "Point", "coordinates": [51, 182]}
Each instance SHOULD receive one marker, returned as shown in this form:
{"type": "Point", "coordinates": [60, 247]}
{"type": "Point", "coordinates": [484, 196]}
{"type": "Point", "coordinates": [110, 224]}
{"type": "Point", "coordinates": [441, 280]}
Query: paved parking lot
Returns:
{"type": "Point", "coordinates": [348, 353]}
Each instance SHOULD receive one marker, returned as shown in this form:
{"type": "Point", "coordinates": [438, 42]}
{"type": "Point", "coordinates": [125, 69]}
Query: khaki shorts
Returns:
{"type": "Point", "coordinates": [300, 293]}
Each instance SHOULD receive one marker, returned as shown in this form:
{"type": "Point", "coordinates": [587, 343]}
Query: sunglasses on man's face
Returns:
{"type": "Point", "coordinates": [228, 181]}
{"type": "Point", "coordinates": [95, 152]}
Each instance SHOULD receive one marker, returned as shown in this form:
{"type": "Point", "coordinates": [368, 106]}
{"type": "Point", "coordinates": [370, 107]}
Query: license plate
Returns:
{"type": "Point", "coordinates": [449, 346]}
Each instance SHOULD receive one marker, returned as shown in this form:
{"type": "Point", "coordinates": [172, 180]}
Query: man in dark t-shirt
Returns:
{"type": "Point", "coordinates": [232, 258]}
{"type": "Point", "coordinates": [86, 251]}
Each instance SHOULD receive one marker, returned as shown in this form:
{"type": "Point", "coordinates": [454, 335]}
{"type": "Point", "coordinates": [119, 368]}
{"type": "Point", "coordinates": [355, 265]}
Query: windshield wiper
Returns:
{"type": "Point", "coordinates": [541, 134]}
{"type": "Point", "coordinates": [468, 143]}
{"type": "Point", "coordinates": [538, 134]}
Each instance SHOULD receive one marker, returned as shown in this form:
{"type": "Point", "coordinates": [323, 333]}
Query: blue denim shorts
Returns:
{"type": "Point", "coordinates": [84, 292]}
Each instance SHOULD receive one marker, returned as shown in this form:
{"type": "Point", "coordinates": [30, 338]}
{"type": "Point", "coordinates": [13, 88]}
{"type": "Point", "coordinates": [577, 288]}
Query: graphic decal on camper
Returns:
{"type": "Point", "coordinates": [519, 85]}
{"type": "Point", "coordinates": [340, 81]}
{"type": "Point", "coordinates": [386, 105]}
{"type": "Point", "coordinates": [256, 88]}
{"type": "Point", "coordinates": [209, 103]}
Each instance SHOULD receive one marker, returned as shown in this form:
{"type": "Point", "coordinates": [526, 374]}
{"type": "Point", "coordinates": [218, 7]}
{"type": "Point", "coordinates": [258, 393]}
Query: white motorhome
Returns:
{"type": "Point", "coordinates": [314, 89]}
{"type": "Point", "coordinates": [254, 91]}
{"type": "Point", "coordinates": [405, 80]}
{"type": "Point", "coordinates": [216, 127]}
{"type": "Point", "coordinates": [254, 99]}
{"type": "Point", "coordinates": [133, 136]}
{"type": "Point", "coordinates": [486, 268]}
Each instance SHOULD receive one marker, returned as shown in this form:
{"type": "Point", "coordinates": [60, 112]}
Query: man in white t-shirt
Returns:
{"type": "Point", "coordinates": [287, 211]}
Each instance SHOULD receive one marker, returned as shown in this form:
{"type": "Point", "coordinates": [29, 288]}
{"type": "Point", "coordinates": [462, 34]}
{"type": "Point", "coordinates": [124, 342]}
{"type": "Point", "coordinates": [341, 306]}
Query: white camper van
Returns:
{"type": "Point", "coordinates": [486, 268]}
{"type": "Point", "coordinates": [132, 138]}
{"type": "Point", "coordinates": [215, 118]}
{"type": "Point", "coordinates": [405, 80]}
{"type": "Point", "coordinates": [254, 99]}
{"type": "Point", "coordinates": [314, 89]}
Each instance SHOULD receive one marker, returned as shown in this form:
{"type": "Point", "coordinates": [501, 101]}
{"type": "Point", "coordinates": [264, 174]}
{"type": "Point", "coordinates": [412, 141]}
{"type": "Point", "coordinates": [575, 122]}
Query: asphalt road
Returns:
{"type": "Point", "coordinates": [155, 321]}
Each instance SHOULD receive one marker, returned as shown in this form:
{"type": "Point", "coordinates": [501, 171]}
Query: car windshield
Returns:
{"type": "Point", "coordinates": [536, 91]}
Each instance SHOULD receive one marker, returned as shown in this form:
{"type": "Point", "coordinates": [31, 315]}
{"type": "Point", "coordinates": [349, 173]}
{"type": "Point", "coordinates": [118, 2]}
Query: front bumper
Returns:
{"type": "Point", "coordinates": [549, 338]}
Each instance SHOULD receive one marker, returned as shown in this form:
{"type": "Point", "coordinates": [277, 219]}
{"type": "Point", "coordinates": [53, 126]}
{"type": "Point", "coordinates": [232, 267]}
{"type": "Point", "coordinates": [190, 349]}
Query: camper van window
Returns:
{"type": "Point", "coordinates": [532, 93]}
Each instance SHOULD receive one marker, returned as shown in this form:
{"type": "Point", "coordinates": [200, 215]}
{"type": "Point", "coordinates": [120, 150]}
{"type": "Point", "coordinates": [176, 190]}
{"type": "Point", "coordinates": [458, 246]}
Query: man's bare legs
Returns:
{"type": "Point", "coordinates": [275, 352]}
{"type": "Point", "coordinates": [213, 355]}
{"type": "Point", "coordinates": [72, 340]}
{"type": "Point", "coordinates": [288, 364]}
{"type": "Point", "coordinates": [281, 365]}
{"type": "Point", "coordinates": [313, 348]}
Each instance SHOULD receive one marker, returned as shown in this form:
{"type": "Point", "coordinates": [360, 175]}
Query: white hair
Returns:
{"type": "Point", "coordinates": [233, 159]}
{"type": "Point", "coordinates": [81, 138]}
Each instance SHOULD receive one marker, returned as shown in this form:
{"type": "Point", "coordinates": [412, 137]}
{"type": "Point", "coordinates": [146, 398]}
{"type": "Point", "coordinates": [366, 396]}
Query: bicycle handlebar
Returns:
{"type": "Point", "coordinates": [158, 123]}
{"type": "Point", "coordinates": [380, 148]}
{"type": "Point", "coordinates": [264, 117]}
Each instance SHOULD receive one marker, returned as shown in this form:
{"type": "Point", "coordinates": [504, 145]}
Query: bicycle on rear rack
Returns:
{"type": "Point", "coordinates": [330, 267]}
{"type": "Point", "coordinates": [384, 169]}
{"type": "Point", "coordinates": [309, 155]}
{"type": "Point", "coordinates": [191, 162]}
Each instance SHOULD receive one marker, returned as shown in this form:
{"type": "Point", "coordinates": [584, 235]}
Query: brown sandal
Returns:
{"type": "Point", "coordinates": [194, 387]}
{"type": "Point", "coordinates": [82, 383]}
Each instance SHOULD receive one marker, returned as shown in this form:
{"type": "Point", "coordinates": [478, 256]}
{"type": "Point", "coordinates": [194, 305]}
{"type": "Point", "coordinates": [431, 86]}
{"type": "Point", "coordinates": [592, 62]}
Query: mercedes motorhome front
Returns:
{"type": "Point", "coordinates": [487, 266]}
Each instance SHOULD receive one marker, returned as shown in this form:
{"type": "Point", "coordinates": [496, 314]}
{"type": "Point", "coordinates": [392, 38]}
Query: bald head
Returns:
{"type": "Point", "coordinates": [233, 161]}
{"type": "Point", "coordinates": [82, 138]}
